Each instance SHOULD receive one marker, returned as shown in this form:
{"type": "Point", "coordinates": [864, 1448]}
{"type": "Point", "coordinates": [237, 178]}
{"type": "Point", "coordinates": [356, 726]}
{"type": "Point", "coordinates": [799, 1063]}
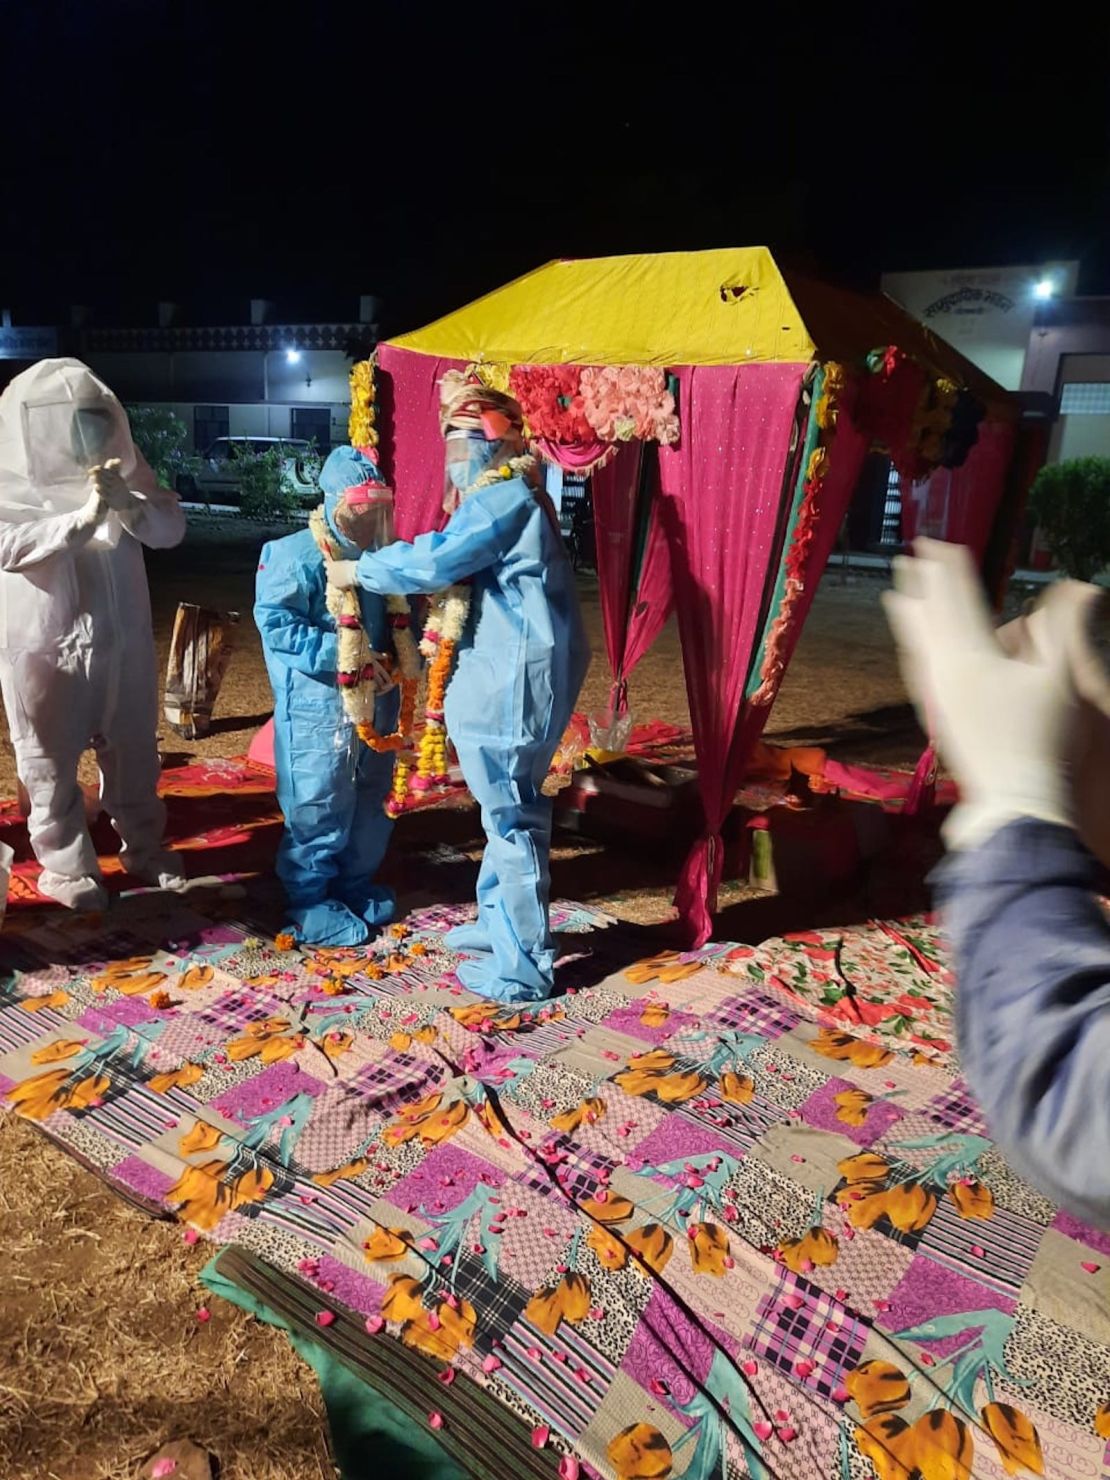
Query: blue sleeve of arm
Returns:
{"type": "Point", "coordinates": [282, 613]}
{"type": "Point", "coordinates": [481, 531]}
{"type": "Point", "coordinates": [1032, 952]}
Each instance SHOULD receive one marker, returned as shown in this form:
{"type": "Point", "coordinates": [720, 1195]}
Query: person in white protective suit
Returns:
{"type": "Point", "coordinates": [77, 664]}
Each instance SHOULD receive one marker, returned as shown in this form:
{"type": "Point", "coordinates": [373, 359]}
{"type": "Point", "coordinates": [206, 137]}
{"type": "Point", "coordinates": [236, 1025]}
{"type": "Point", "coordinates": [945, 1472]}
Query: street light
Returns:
{"type": "Point", "coordinates": [1044, 289]}
{"type": "Point", "coordinates": [292, 357]}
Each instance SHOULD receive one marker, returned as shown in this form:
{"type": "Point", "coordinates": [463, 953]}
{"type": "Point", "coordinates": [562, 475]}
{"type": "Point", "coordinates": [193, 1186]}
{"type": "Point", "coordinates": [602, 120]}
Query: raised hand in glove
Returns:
{"type": "Point", "coordinates": [109, 483]}
{"type": "Point", "coordinates": [1008, 714]}
{"type": "Point", "coordinates": [342, 574]}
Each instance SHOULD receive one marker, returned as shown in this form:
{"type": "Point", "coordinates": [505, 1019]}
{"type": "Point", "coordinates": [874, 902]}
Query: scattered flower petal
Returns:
{"type": "Point", "coordinates": [325, 1317]}
{"type": "Point", "coordinates": [540, 1435]}
{"type": "Point", "coordinates": [435, 1419]}
{"type": "Point", "coordinates": [374, 1324]}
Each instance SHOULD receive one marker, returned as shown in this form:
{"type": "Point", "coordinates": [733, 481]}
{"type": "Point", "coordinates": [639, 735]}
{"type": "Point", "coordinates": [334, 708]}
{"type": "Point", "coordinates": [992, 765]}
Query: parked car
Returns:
{"type": "Point", "coordinates": [216, 480]}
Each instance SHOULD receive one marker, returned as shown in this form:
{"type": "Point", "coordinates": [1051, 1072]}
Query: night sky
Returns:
{"type": "Point", "coordinates": [207, 153]}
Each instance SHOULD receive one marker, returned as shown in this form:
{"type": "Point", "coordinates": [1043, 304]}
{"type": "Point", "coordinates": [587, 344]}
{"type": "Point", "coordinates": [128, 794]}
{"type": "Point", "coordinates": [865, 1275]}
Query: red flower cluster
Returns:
{"type": "Point", "coordinates": [551, 401]}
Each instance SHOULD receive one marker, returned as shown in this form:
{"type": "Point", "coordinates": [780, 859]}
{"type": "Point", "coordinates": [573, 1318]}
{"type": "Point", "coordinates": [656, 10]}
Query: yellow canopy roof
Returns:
{"type": "Point", "coordinates": [672, 308]}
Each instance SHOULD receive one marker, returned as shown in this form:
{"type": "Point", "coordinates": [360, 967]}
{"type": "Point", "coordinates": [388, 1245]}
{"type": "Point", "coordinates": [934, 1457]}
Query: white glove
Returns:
{"type": "Point", "coordinates": [109, 483]}
{"type": "Point", "coordinates": [1008, 727]}
{"type": "Point", "coordinates": [1030, 639]}
{"type": "Point", "coordinates": [343, 574]}
{"type": "Point", "coordinates": [90, 514]}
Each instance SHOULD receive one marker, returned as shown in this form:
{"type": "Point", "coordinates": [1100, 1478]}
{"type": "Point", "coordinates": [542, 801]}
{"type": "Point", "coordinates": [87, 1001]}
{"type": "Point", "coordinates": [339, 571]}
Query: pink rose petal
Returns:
{"type": "Point", "coordinates": [788, 1435]}
{"type": "Point", "coordinates": [374, 1324]}
{"type": "Point", "coordinates": [569, 1468]}
{"type": "Point", "coordinates": [1089, 1267]}
{"type": "Point", "coordinates": [534, 1354]}
{"type": "Point", "coordinates": [793, 1302]}
{"type": "Point", "coordinates": [435, 1420]}
{"type": "Point", "coordinates": [840, 1395]}
{"type": "Point", "coordinates": [204, 1315]}
{"type": "Point", "coordinates": [491, 1363]}
{"type": "Point", "coordinates": [781, 1415]}
{"type": "Point", "coordinates": [191, 1236]}
{"type": "Point", "coordinates": [162, 1467]}
{"type": "Point", "coordinates": [325, 1317]}
{"type": "Point", "coordinates": [804, 1368]}
{"type": "Point", "coordinates": [762, 1430]}
{"type": "Point", "coordinates": [540, 1435]}
{"type": "Point", "coordinates": [660, 1389]}
{"type": "Point", "coordinates": [433, 1321]}
{"type": "Point", "coordinates": [750, 1368]}
{"type": "Point", "coordinates": [977, 1251]}
{"type": "Point", "coordinates": [447, 1376]}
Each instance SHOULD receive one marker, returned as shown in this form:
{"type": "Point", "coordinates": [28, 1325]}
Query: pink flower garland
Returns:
{"type": "Point", "coordinates": [625, 401]}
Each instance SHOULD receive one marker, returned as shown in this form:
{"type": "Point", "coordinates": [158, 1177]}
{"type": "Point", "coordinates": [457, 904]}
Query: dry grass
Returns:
{"type": "Point", "coordinates": [101, 1355]}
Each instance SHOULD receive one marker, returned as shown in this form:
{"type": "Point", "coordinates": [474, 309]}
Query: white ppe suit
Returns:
{"type": "Point", "coordinates": [77, 662]}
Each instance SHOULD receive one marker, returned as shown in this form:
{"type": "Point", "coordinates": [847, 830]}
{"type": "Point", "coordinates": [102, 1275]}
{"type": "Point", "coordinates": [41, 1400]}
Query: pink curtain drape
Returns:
{"type": "Point", "coordinates": [721, 500]}
{"type": "Point", "coordinates": [631, 619]}
{"type": "Point", "coordinates": [573, 457]}
{"type": "Point", "coordinates": [960, 504]}
{"type": "Point", "coordinates": [411, 442]}
{"type": "Point", "coordinates": [817, 529]}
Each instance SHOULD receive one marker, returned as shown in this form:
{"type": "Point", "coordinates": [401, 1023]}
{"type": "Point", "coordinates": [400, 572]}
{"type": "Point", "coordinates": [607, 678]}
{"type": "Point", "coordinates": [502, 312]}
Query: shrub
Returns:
{"type": "Point", "coordinates": [1071, 503]}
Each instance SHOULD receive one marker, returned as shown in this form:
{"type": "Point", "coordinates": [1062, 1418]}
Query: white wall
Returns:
{"type": "Point", "coordinates": [327, 370]}
{"type": "Point", "coordinates": [987, 313]}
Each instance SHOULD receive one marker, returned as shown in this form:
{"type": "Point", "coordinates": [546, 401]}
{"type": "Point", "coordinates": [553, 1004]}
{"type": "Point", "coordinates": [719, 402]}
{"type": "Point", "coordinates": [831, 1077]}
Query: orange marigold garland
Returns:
{"type": "Point", "coordinates": [439, 645]}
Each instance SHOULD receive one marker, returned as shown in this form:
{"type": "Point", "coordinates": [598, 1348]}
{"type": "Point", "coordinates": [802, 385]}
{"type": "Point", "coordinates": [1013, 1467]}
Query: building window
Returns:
{"type": "Point", "coordinates": [313, 424]}
{"type": "Point", "coordinates": [1086, 398]}
{"type": "Point", "coordinates": [209, 423]}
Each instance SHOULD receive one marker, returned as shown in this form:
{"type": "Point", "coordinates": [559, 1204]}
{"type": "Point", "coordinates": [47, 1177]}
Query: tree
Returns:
{"type": "Point", "coordinates": [266, 490]}
{"type": "Point", "coordinates": [160, 436]}
{"type": "Point", "coordinates": [1071, 504]}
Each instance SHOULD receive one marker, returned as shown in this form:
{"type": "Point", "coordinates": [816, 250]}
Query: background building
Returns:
{"type": "Point", "coordinates": [258, 376]}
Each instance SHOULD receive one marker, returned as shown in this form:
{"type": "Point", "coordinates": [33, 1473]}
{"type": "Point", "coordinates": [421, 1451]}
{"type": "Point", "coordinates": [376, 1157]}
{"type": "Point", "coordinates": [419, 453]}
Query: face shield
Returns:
{"type": "Point", "coordinates": [364, 518]}
{"type": "Point", "coordinates": [467, 455]}
{"type": "Point", "coordinates": [64, 439]}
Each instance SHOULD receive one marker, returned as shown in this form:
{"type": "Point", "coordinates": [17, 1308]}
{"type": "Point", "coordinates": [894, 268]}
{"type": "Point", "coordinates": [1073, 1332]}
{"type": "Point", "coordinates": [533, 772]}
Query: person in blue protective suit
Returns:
{"type": "Point", "coordinates": [330, 786]}
{"type": "Point", "coordinates": [521, 664]}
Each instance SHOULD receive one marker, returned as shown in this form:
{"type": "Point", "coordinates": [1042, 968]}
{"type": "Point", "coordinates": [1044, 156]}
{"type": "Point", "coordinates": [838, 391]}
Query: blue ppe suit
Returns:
{"type": "Point", "coordinates": [521, 664]}
{"type": "Point", "coordinates": [330, 786]}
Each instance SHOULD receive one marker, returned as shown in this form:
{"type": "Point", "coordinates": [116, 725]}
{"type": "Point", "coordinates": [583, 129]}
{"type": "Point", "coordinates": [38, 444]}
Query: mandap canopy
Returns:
{"type": "Point", "coordinates": [724, 410]}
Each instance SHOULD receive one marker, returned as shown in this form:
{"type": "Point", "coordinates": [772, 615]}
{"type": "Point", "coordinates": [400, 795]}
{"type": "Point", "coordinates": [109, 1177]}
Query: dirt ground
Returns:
{"type": "Point", "coordinates": [102, 1357]}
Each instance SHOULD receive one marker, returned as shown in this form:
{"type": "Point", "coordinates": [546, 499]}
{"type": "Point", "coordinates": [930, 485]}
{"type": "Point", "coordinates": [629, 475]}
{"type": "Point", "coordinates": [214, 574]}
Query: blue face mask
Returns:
{"type": "Point", "coordinates": [464, 471]}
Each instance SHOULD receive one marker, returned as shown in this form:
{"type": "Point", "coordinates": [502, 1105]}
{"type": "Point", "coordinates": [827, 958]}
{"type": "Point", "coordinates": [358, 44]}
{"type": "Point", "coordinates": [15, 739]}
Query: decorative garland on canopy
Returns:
{"type": "Point", "coordinates": [569, 404]}
{"type": "Point", "coordinates": [825, 414]}
{"type": "Point", "coordinates": [362, 424]}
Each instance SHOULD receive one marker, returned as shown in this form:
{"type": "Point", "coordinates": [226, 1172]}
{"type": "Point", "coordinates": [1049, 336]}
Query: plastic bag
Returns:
{"type": "Point", "coordinates": [199, 653]}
